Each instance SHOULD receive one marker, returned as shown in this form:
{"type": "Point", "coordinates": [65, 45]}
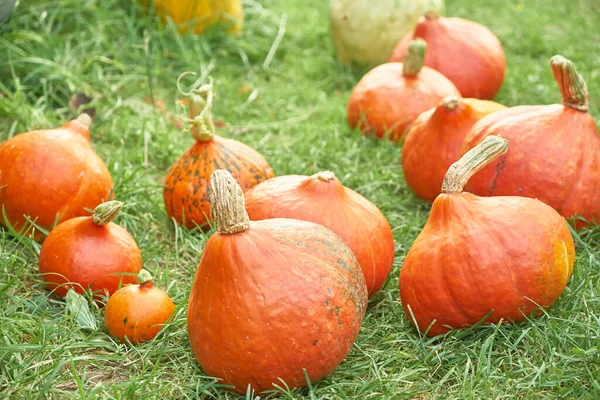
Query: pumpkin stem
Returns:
{"type": "Point", "coordinates": [201, 120]}
{"type": "Point", "coordinates": [572, 86]}
{"type": "Point", "coordinates": [472, 161]}
{"type": "Point", "coordinates": [415, 58]}
{"type": "Point", "coordinates": [431, 15]}
{"type": "Point", "coordinates": [106, 212]}
{"type": "Point", "coordinates": [325, 176]}
{"type": "Point", "coordinates": [85, 119]}
{"type": "Point", "coordinates": [227, 205]}
{"type": "Point", "coordinates": [450, 103]}
{"type": "Point", "coordinates": [144, 278]}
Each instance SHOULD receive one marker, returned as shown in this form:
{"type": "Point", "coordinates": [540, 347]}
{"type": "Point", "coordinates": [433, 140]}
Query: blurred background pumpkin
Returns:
{"type": "Point", "coordinates": [198, 14]}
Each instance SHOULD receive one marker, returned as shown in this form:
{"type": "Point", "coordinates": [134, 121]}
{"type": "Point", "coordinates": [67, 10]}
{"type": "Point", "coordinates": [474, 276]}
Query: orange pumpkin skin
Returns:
{"type": "Point", "coordinates": [477, 254]}
{"type": "Point", "coordinates": [187, 181]}
{"type": "Point", "coordinates": [435, 140]}
{"type": "Point", "coordinates": [88, 256]}
{"type": "Point", "coordinates": [282, 296]}
{"type": "Point", "coordinates": [554, 153]}
{"type": "Point", "coordinates": [271, 298]}
{"type": "Point", "coordinates": [51, 176]}
{"type": "Point", "coordinates": [323, 199]}
{"type": "Point", "coordinates": [465, 52]}
{"type": "Point", "coordinates": [137, 312]}
{"type": "Point", "coordinates": [495, 257]}
{"type": "Point", "coordinates": [386, 100]}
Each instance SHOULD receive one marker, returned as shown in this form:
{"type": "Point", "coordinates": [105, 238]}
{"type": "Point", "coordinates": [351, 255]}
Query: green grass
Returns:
{"type": "Point", "coordinates": [296, 118]}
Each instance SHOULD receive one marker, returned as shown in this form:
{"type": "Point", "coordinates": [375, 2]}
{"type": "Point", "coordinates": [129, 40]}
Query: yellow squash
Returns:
{"type": "Point", "coordinates": [198, 14]}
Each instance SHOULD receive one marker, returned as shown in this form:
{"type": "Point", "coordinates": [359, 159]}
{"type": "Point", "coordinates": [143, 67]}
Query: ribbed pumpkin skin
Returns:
{"type": "Point", "coordinates": [554, 156]}
{"type": "Point", "coordinates": [355, 219]}
{"type": "Point", "coordinates": [279, 297]}
{"type": "Point", "coordinates": [478, 254]}
{"type": "Point", "coordinates": [138, 312]}
{"type": "Point", "coordinates": [384, 99]}
{"type": "Point", "coordinates": [187, 181]}
{"type": "Point", "coordinates": [88, 255]}
{"type": "Point", "coordinates": [51, 175]}
{"type": "Point", "coordinates": [435, 140]}
{"type": "Point", "coordinates": [465, 52]}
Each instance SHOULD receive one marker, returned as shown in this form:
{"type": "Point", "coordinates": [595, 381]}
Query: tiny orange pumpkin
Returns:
{"type": "Point", "coordinates": [138, 312]}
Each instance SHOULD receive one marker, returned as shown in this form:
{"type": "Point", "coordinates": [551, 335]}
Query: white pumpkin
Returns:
{"type": "Point", "coordinates": [365, 32]}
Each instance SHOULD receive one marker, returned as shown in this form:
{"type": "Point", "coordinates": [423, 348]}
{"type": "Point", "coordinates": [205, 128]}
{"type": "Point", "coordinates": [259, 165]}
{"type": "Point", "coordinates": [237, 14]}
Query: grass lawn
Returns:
{"type": "Point", "coordinates": [290, 105]}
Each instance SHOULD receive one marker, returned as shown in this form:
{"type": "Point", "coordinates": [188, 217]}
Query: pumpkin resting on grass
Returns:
{"type": "Point", "coordinates": [50, 176]}
{"type": "Point", "coordinates": [138, 311]}
{"type": "Point", "coordinates": [90, 252]}
{"type": "Point", "coordinates": [465, 52]}
{"type": "Point", "coordinates": [435, 139]}
{"type": "Point", "coordinates": [186, 183]}
{"type": "Point", "coordinates": [554, 153]}
{"type": "Point", "coordinates": [323, 199]}
{"type": "Point", "coordinates": [389, 97]}
{"type": "Point", "coordinates": [501, 257]}
{"type": "Point", "coordinates": [271, 298]}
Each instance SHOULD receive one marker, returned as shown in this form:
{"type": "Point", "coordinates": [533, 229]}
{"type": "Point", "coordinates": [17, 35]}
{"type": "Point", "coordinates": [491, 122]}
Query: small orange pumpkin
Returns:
{"type": "Point", "coordinates": [186, 183]}
{"type": "Point", "coordinates": [500, 257]}
{"type": "Point", "coordinates": [50, 176]}
{"type": "Point", "coordinates": [323, 199]}
{"type": "Point", "coordinates": [390, 96]}
{"type": "Point", "coordinates": [434, 141]}
{"type": "Point", "coordinates": [272, 299]}
{"type": "Point", "coordinates": [90, 252]}
{"type": "Point", "coordinates": [137, 312]}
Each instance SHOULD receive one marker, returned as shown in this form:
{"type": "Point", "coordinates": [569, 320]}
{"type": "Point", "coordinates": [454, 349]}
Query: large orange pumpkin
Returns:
{"type": "Point", "coordinates": [187, 181]}
{"type": "Point", "coordinates": [390, 96]}
{"type": "Point", "coordinates": [465, 52]}
{"type": "Point", "coordinates": [50, 176]}
{"type": "Point", "coordinates": [323, 199]}
{"type": "Point", "coordinates": [273, 298]}
{"type": "Point", "coordinates": [554, 154]}
{"type": "Point", "coordinates": [435, 139]}
{"type": "Point", "coordinates": [90, 252]}
{"type": "Point", "coordinates": [500, 257]}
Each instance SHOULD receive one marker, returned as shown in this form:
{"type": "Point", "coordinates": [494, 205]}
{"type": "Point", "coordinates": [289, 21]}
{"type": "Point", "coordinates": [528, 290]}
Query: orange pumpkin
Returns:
{"type": "Point", "coordinates": [323, 199]}
{"type": "Point", "coordinates": [90, 252]}
{"type": "Point", "coordinates": [186, 183]}
{"type": "Point", "coordinates": [50, 176]}
{"type": "Point", "coordinates": [465, 52]}
{"type": "Point", "coordinates": [434, 141]}
{"type": "Point", "coordinates": [554, 154]}
{"type": "Point", "coordinates": [138, 312]}
{"type": "Point", "coordinates": [390, 96]}
{"type": "Point", "coordinates": [500, 257]}
{"type": "Point", "coordinates": [271, 298]}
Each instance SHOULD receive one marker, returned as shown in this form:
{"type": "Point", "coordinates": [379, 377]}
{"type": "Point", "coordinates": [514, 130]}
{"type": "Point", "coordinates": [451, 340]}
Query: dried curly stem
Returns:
{"type": "Point", "coordinates": [472, 161]}
{"type": "Point", "coordinates": [572, 86]}
{"type": "Point", "coordinates": [106, 212]}
{"type": "Point", "coordinates": [227, 205]}
{"type": "Point", "coordinates": [415, 57]}
{"type": "Point", "coordinates": [201, 101]}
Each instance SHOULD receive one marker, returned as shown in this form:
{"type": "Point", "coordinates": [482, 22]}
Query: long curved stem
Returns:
{"type": "Point", "coordinates": [572, 86]}
{"type": "Point", "coordinates": [472, 161]}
